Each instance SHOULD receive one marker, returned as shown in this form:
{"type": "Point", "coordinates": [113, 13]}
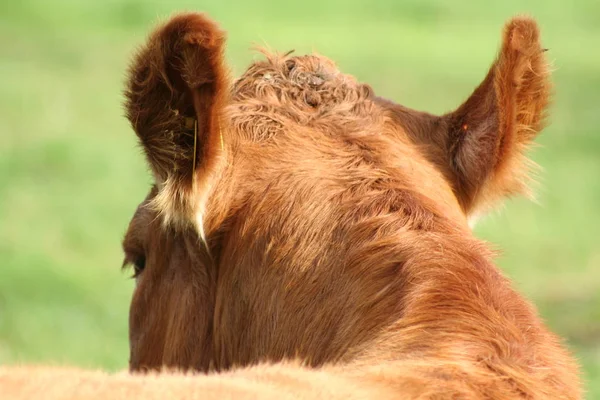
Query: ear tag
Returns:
{"type": "Point", "coordinates": [465, 127]}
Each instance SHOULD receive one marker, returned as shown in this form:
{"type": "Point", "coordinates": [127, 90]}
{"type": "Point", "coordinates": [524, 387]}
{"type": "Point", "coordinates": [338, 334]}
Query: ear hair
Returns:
{"type": "Point", "coordinates": [177, 89]}
{"type": "Point", "coordinates": [490, 132]}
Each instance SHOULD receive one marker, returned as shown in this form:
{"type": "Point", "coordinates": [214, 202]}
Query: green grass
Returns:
{"type": "Point", "coordinates": [71, 174]}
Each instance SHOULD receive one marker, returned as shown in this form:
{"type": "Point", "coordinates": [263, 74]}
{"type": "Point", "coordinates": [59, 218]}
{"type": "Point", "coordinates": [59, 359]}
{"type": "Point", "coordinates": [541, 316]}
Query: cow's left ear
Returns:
{"type": "Point", "coordinates": [176, 92]}
{"type": "Point", "coordinates": [486, 137]}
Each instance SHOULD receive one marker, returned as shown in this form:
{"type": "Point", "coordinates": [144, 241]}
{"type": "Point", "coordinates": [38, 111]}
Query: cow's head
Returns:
{"type": "Point", "coordinates": [296, 166]}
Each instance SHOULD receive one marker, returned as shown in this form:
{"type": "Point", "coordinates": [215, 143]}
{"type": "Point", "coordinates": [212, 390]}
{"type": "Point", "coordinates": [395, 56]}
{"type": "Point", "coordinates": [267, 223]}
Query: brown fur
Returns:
{"type": "Point", "coordinates": [179, 75]}
{"type": "Point", "coordinates": [330, 229]}
{"type": "Point", "coordinates": [485, 162]}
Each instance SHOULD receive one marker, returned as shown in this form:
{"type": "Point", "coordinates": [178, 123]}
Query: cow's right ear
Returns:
{"type": "Point", "coordinates": [176, 92]}
{"type": "Point", "coordinates": [488, 135]}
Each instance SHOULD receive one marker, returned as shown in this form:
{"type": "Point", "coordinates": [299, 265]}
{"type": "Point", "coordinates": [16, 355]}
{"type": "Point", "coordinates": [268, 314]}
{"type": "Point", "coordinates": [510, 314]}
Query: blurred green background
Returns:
{"type": "Point", "coordinates": [71, 174]}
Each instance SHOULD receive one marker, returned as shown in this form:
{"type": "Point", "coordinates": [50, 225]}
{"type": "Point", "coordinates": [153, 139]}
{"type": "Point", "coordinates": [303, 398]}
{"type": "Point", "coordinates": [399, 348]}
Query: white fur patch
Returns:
{"type": "Point", "coordinates": [473, 219]}
{"type": "Point", "coordinates": [203, 196]}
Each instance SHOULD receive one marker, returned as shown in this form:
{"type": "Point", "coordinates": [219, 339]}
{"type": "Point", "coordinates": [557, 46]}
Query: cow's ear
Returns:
{"type": "Point", "coordinates": [176, 92]}
{"type": "Point", "coordinates": [488, 135]}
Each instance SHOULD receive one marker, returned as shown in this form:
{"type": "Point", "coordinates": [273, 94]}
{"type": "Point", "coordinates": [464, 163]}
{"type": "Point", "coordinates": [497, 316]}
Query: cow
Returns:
{"type": "Point", "coordinates": [305, 238]}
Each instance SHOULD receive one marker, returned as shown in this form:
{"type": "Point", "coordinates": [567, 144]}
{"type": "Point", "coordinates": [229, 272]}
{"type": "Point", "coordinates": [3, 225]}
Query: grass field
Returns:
{"type": "Point", "coordinates": [71, 174]}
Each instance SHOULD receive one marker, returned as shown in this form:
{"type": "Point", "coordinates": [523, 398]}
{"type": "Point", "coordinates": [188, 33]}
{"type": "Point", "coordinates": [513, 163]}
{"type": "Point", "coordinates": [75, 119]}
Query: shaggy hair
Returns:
{"type": "Point", "coordinates": [305, 238]}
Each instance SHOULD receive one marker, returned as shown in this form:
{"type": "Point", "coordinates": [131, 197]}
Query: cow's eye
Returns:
{"type": "Point", "coordinates": [138, 265]}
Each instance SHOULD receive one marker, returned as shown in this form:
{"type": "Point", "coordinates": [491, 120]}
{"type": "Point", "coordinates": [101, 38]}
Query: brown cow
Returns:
{"type": "Point", "coordinates": [303, 224]}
